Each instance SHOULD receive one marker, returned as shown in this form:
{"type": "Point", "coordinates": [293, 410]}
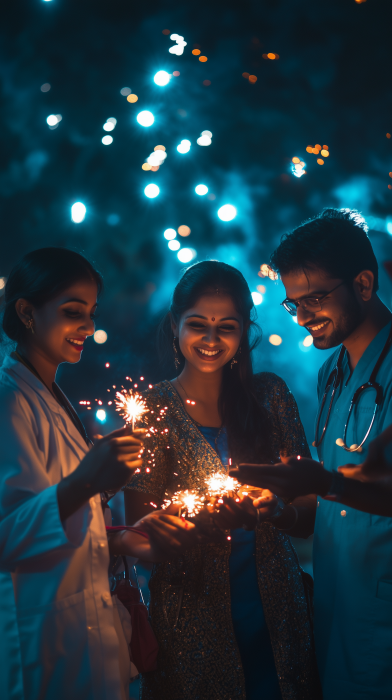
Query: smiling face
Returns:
{"type": "Point", "coordinates": [340, 314]}
{"type": "Point", "coordinates": [210, 332]}
{"type": "Point", "coordinates": [62, 324]}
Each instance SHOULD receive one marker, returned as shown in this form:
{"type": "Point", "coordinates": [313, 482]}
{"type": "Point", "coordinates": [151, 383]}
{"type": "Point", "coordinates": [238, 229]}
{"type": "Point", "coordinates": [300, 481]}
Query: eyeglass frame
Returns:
{"type": "Point", "coordinates": [298, 303]}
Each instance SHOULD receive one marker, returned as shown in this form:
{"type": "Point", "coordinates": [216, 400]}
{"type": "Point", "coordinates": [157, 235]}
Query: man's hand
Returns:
{"type": "Point", "coordinates": [375, 467]}
{"type": "Point", "coordinates": [230, 514]}
{"type": "Point", "coordinates": [290, 478]}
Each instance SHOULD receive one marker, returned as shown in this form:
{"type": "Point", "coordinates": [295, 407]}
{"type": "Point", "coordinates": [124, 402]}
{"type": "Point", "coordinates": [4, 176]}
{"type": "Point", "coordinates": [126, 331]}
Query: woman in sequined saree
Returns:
{"type": "Point", "coordinates": [233, 619]}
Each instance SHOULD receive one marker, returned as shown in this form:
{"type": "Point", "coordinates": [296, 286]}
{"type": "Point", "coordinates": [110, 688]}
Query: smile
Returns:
{"type": "Point", "coordinates": [317, 330]}
{"type": "Point", "coordinates": [77, 344]}
{"type": "Point", "coordinates": [209, 354]}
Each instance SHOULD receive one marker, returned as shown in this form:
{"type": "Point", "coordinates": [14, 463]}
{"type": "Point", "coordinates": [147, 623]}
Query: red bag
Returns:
{"type": "Point", "coordinates": [144, 646]}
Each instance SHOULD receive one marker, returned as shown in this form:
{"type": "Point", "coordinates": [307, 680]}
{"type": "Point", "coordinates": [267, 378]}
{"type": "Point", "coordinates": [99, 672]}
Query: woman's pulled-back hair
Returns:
{"type": "Point", "coordinates": [39, 277]}
{"type": "Point", "coordinates": [245, 420]}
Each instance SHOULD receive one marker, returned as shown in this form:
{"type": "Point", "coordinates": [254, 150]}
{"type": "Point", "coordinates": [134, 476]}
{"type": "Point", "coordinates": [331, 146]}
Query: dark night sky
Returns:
{"type": "Point", "coordinates": [331, 85]}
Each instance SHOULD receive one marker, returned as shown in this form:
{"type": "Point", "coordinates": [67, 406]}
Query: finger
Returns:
{"type": "Point", "coordinates": [124, 440]}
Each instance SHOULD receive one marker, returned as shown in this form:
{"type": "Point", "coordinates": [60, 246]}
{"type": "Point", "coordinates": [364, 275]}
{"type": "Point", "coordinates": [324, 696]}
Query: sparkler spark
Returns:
{"type": "Point", "coordinates": [131, 406]}
{"type": "Point", "coordinates": [219, 484]}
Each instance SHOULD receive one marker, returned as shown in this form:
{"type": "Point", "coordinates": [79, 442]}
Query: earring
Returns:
{"type": "Point", "coordinates": [176, 358]}
{"type": "Point", "coordinates": [234, 360]}
{"type": "Point", "coordinates": [30, 326]}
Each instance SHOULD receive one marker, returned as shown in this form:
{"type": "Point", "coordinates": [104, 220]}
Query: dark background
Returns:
{"type": "Point", "coordinates": [331, 85]}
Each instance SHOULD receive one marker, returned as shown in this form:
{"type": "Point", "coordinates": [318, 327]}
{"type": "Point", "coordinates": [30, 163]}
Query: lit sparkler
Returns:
{"type": "Point", "coordinates": [130, 406]}
{"type": "Point", "coordinates": [189, 502]}
{"type": "Point", "coordinates": [220, 484]}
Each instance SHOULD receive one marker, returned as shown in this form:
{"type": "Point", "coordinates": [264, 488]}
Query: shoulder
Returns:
{"type": "Point", "coordinates": [15, 402]}
{"type": "Point", "coordinates": [269, 383]}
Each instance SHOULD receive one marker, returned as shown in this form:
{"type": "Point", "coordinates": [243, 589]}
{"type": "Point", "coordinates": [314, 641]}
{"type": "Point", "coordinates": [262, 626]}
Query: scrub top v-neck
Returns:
{"type": "Point", "coordinates": [353, 550]}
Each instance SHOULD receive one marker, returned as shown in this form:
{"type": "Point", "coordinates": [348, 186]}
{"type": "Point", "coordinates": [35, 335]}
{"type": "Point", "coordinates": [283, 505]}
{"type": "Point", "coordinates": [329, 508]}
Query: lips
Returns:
{"type": "Point", "coordinates": [76, 343]}
{"type": "Point", "coordinates": [318, 329]}
{"type": "Point", "coordinates": [207, 354]}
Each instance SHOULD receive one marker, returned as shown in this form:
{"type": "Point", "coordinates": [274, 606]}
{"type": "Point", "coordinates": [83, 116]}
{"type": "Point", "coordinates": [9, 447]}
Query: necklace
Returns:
{"type": "Point", "coordinates": [189, 401]}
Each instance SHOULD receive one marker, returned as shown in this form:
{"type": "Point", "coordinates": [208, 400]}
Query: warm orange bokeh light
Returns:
{"type": "Point", "coordinates": [159, 148]}
{"type": "Point", "coordinates": [390, 174]}
{"type": "Point", "coordinates": [245, 75]}
{"type": "Point", "coordinates": [388, 136]}
{"type": "Point", "coordinates": [166, 31]}
{"type": "Point", "coordinates": [326, 148]}
{"type": "Point", "coordinates": [154, 168]}
{"type": "Point", "coordinates": [203, 59]}
{"type": "Point", "coordinates": [146, 166]}
{"type": "Point", "coordinates": [295, 159]}
{"type": "Point", "coordinates": [320, 161]}
{"type": "Point", "coordinates": [132, 98]}
{"type": "Point", "coordinates": [196, 52]}
{"type": "Point", "coordinates": [252, 78]}
{"type": "Point", "coordinates": [207, 82]}
{"type": "Point", "coordinates": [271, 56]}
{"type": "Point", "coordinates": [309, 149]}
{"type": "Point", "coordinates": [184, 230]}
{"type": "Point", "coordinates": [176, 73]}
{"type": "Point", "coordinates": [390, 187]}
{"type": "Point", "coordinates": [324, 153]}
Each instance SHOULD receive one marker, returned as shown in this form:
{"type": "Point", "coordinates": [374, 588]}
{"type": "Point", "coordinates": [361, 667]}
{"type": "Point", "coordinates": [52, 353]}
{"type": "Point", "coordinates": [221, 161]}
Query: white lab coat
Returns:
{"type": "Point", "coordinates": [60, 636]}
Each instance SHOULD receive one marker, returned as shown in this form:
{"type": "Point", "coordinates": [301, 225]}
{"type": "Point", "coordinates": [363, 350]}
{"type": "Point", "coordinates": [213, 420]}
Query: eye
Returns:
{"type": "Point", "coordinates": [73, 313]}
{"type": "Point", "coordinates": [227, 328]}
{"type": "Point", "coordinates": [196, 324]}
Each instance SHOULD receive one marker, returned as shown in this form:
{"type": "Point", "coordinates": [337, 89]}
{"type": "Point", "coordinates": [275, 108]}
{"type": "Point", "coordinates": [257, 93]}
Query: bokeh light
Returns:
{"type": "Point", "coordinates": [109, 126]}
{"type": "Point", "coordinates": [78, 212]}
{"type": "Point", "coordinates": [257, 298]}
{"type": "Point", "coordinates": [178, 48]}
{"type": "Point", "coordinates": [145, 118]}
{"type": "Point", "coordinates": [174, 245]}
{"type": "Point", "coordinates": [184, 146]}
{"type": "Point", "coordinates": [203, 59]}
{"type": "Point", "coordinates": [101, 415]}
{"type": "Point", "coordinates": [201, 189]}
{"type": "Point", "coordinates": [185, 255]}
{"type": "Point", "coordinates": [125, 91]}
{"type": "Point", "coordinates": [53, 119]}
{"type": "Point", "coordinates": [45, 87]}
{"type": "Point", "coordinates": [275, 339]}
{"type": "Point", "coordinates": [107, 140]}
{"type": "Point", "coordinates": [132, 98]}
{"type": "Point", "coordinates": [161, 78]}
{"type": "Point", "coordinates": [151, 191]}
{"type": "Point", "coordinates": [100, 337]}
{"type": "Point", "coordinates": [170, 234]}
{"type": "Point", "coordinates": [157, 157]}
{"type": "Point", "coordinates": [308, 341]}
{"type": "Point", "coordinates": [204, 140]}
{"type": "Point", "coordinates": [184, 231]}
{"type": "Point", "coordinates": [227, 212]}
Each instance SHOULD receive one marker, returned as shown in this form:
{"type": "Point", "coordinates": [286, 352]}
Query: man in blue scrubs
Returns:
{"type": "Point", "coordinates": [330, 274]}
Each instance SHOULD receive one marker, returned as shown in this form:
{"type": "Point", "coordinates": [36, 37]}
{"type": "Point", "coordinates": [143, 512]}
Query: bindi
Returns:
{"type": "Point", "coordinates": [212, 319]}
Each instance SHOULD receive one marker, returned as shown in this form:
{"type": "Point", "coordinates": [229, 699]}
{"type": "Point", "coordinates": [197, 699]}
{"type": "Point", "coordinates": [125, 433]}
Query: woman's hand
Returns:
{"type": "Point", "coordinates": [108, 466]}
{"type": "Point", "coordinates": [266, 505]}
{"type": "Point", "coordinates": [229, 513]}
{"type": "Point", "coordinates": [168, 535]}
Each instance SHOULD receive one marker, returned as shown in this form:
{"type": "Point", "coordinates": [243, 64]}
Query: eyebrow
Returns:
{"type": "Point", "coordinates": [310, 294]}
{"type": "Point", "coordinates": [227, 318]}
{"type": "Point", "coordinates": [79, 301]}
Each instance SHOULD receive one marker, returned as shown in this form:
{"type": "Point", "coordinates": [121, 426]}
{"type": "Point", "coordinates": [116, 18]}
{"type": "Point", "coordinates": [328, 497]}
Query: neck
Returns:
{"type": "Point", "coordinates": [377, 316]}
{"type": "Point", "coordinates": [202, 386]}
{"type": "Point", "coordinates": [45, 367]}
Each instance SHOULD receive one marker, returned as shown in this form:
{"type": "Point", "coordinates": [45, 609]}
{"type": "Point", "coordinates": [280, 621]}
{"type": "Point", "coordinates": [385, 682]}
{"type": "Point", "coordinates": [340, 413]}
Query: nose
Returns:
{"type": "Point", "coordinates": [304, 317]}
{"type": "Point", "coordinates": [88, 327]}
{"type": "Point", "coordinates": [211, 336]}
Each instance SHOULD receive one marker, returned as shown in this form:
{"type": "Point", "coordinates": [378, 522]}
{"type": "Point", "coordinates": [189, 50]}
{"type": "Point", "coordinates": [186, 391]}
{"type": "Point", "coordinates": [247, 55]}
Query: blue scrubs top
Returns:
{"type": "Point", "coordinates": [250, 627]}
{"type": "Point", "coordinates": [352, 551]}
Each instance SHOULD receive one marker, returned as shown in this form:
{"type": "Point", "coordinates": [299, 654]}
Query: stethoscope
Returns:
{"type": "Point", "coordinates": [334, 380]}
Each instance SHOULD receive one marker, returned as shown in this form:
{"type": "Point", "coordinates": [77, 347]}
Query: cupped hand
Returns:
{"type": "Point", "coordinates": [229, 513]}
{"type": "Point", "coordinates": [266, 504]}
{"type": "Point", "coordinates": [290, 478]}
{"type": "Point", "coordinates": [168, 535]}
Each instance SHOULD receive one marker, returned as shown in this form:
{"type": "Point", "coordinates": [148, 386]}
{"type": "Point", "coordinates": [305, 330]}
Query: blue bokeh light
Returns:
{"type": "Point", "coordinates": [101, 415]}
{"type": "Point", "coordinates": [151, 191]}
{"type": "Point", "coordinates": [185, 255]}
{"type": "Point", "coordinates": [201, 189]}
{"type": "Point", "coordinates": [145, 118]}
{"type": "Point", "coordinates": [257, 298]}
{"type": "Point", "coordinates": [161, 78]}
{"type": "Point", "coordinates": [184, 146]}
{"type": "Point", "coordinates": [170, 234]}
{"type": "Point", "coordinates": [227, 212]}
{"type": "Point", "coordinates": [78, 212]}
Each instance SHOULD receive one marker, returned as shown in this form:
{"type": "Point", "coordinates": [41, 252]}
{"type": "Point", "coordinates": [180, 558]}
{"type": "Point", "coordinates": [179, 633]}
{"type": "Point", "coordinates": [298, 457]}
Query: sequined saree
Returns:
{"type": "Point", "coordinates": [190, 596]}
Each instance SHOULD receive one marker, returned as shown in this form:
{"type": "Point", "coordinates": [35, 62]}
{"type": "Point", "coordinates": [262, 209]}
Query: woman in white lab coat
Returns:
{"type": "Point", "coordinates": [60, 635]}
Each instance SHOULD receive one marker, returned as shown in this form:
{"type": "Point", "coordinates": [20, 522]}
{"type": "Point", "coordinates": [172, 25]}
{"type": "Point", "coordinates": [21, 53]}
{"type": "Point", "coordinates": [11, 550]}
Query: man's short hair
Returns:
{"type": "Point", "coordinates": [335, 241]}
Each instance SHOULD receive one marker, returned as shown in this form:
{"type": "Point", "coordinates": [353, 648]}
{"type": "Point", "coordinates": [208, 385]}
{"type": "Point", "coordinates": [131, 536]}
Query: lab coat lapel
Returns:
{"type": "Point", "coordinates": [68, 433]}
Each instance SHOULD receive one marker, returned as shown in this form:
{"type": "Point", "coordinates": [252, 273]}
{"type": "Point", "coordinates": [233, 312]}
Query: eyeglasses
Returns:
{"type": "Point", "coordinates": [307, 303]}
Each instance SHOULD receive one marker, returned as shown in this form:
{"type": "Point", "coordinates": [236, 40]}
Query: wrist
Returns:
{"type": "Point", "coordinates": [288, 519]}
{"type": "Point", "coordinates": [325, 483]}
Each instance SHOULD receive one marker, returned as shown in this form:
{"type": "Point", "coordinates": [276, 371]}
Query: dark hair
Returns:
{"type": "Point", "coordinates": [245, 420]}
{"type": "Point", "coordinates": [39, 277]}
{"type": "Point", "coordinates": [335, 241]}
